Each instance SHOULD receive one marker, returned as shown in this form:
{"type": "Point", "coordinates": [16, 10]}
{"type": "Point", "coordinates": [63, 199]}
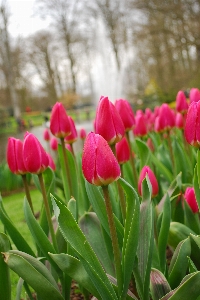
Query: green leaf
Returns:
{"type": "Point", "coordinates": [98, 204]}
{"type": "Point", "coordinates": [163, 233]}
{"type": "Point", "coordinates": [146, 242]}
{"type": "Point", "coordinates": [144, 153]}
{"type": "Point", "coordinates": [91, 227]}
{"type": "Point", "coordinates": [19, 288]}
{"type": "Point", "coordinates": [73, 268]}
{"type": "Point", "coordinates": [37, 265]}
{"type": "Point", "coordinates": [196, 183]}
{"type": "Point", "coordinates": [72, 207]}
{"type": "Point", "coordinates": [192, 267]}
{"type": "Point", "coordinates": [131, 233]}
{"type": "Point", "coordinates": [188, 289]}
{"type": "Point", "coordinates": [5, 285]}
{"type": "Point", "coordinates": [14, 234]}
{"type": "Point", "coordinates": [73, 234]}
{"type": "Point", "coordinates": [161, 168]}
{"type": "Point", "coordinates": [159, 285]}
{"type": "Point", "coordinates": [39, 235]}
{"type": "Point", "coordinates": [177, 233]}
{"type": "Point", "coordinates": [198, 166]}
{"type": "Point", "coordinates": [191, 219]}
{"type": "Point", "coordinates": [179, 263]}
{"type": "Point", "coordinates": [32, 276]}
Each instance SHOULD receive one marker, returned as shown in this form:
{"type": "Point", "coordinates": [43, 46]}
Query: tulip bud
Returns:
{"type": "Point", "coordinates": [146, 170]}
{"type": "Point", "coordinates": [181, 102]}
{"type": "Point", "coordinates": [99, 165]}
{"type": "Point", "coordinates": [166, 117]}
{"type": "Point", "coordinates": [108, 122]}
{"type": "Point", "coordinates": [59, 121]}
{"type": "Point", "coordinates": [51, 162]}
{"type": "Point", "coordinates": [82, 133]}
{"type": "Point", "coordinates": [54, 144]}
{"type": "Point", "coordinates": [68, 147]}
{"type": "Point", "coordinates": [72, 137]}
{"type": "Point", "coordinates": [46, 135]}
{"type": "Point", "coordinates": [150, 144]}
{"type": "Point", "coordinates": [140, 125]}
{"type": "Point", "coordinates": [122, 151]}
{"type": "Point", "coordinates": [192, 124]}
{"type": "Point", "coordinates": [194, 95]}
{"type": "Point", "coordinates": [34, 155]}
{"type": "Point", "coordinates": [179, 121]}
{"type": "Point", "coordinates": [126, 113]}
{"type": "Point", "coordinates": [15, 157]}
{"type": "Point", "coordinates": [190, 198]}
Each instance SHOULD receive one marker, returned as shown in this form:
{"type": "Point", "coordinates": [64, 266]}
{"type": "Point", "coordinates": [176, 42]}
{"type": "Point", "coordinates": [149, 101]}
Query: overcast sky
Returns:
{"type": "Point", "coordinates": [23, 20]}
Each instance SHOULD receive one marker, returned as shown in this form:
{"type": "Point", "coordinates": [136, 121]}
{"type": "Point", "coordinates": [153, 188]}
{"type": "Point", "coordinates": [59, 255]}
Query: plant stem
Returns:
{"type": "Point", "coordinates": [28, 196]}
{"type": "Point", "coordinates": [170, 149]}
{"type": "Point", "coordinates": [115, 244]}
{"type": "Point", "coordinates": [66, 165]}
{"type": "Point", "coordinates": [48, 212]}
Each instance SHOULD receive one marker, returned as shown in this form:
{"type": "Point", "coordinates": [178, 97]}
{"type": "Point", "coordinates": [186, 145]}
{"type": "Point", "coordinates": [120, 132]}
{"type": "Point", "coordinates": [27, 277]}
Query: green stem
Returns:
{"type": "Point", "coordinates": [131, 159]}
{"type": "Point", "coordinates": [66, 165]}
{"type": "Point", "coordinates": [28, 196]}
{"type": "Point", "coordinates": [115, 244]}
{"type": "Point", "coordinates": [170, 149]}
{"type": "Point", "coordinates": [48, 212]}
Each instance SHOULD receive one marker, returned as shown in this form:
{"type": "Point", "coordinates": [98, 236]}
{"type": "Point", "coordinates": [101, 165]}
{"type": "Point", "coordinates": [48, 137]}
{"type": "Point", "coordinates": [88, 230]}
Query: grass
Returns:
{"type": "Point", "coordinates": [14, 207]}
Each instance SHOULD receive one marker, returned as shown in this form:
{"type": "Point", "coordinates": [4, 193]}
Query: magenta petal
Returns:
{"type": "Point", "coordinates": [59, 122]}
{"type": "Point", "coordinates": [89, 157]}
{"type": "Point", "coordinates": [190, 125]}
{"type": "Point", "coordinates": [11, 155]}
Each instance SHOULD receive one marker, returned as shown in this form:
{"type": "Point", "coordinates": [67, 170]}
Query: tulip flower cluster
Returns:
{"type": "Point", "coordinates": [120, 216]}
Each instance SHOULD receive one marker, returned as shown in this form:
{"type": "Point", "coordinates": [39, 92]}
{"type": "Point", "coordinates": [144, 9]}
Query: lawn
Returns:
{"type": "Point", "coordinates": [14, 207]}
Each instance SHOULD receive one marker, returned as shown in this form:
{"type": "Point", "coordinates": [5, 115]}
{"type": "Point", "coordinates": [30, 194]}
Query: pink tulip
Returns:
{"type": "Point", "coordinates": [192, 124]}
{"type": "Point", "coordinates": [34, 155]}
{"type": "Point", "coordinates": [72, 137]}
{"type": "Point", "coordinates": [54, 144]}
{"type": "Point", "coordinates": [181, 102]}
{"type": "Point", "coordinates": [166, 117]}
{"type": "Point", "coordinates": [59, 121]}
{"type": "Point", "coordinates": [122, 151]}
{"type": "Point", "coordinates": [179, 121]}
{"type": "Point", "coordinates": [194, 95]}
{"type": "Point", "coordinates": [15, 156]}
{"type": "Point", "coordinates": [99, 165]}
{"type": "Point", "coordinates": [190, 198]}
{"type": "Point", "coordinates": [126, 113]}
{"type": "Point", "coordinates": [140, 125]}
{"type": "Point", "coordinates": [46, 135]}
{"type": "Point", "coordinates": [68, 147]}
{"type": "Point", "coordinates": [82, 134]}
{"type": "Point", "coordinates": [108, 122]}
{"type": "Point", "coordinates": [150, 144]}
{"type": "Point", "coordinates": [152, 178]}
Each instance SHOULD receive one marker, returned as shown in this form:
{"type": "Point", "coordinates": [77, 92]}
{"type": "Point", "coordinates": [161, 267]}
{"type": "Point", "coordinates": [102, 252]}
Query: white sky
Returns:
{"type": "Point", "coordinates": [23, 19]}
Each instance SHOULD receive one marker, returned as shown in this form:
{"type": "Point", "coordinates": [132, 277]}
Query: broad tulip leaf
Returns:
{"type": "Point", "coordinates": [131, 233]}
{"type": "Point", "coordinates": [159, 285]}
{"type": "Point", "coordinates": [196, 185]}
{"type": "Point", "coordinates": [177, 233]}
{"type": "Point", "coordinates": [73, 234]}
{"type": "Point", "coordinates": [72, 207]}
{"type": "Point", "coordinates": [5, 284]}
{"type": "Point", "coordinates": [191, 219]}
{"type": "Point", "coordinates": [179, 263]}
{"type": "Point", "coordinates": [98, 204]}
{"type": "Point", "coordinates": [163, 233]}
{"type": "Point", "coordinates": [39, 235]}
{"type": "Point", "coordinates": [146, 241]}
{"type": "Point", "coordinates": [19, 288]}
{"type": "Point", "coordinates": [144, 153]}
{"type": "Point", "coordinates": [161, 168]}
{"type": "Point", "coordinates": [188, 289]}
{"type": "Point", "coordinates": [91, 227]}
{"type": "Point", "coordinates": [14, 234]}
{"type": "Point", "coordinates": [39, 266]}
{"type": "Point", "coordinates": [192, 267]}
{"type": "Point", "coordinates": [32, 276]}
{"type": "Point", "coordinates": [73, 268]}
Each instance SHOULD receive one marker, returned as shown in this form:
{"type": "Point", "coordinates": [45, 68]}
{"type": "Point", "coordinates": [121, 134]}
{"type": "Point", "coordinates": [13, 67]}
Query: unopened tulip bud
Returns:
{"type": "Point", "coordinates": [181, 102]}
{"type": "Point", "coordinates": [179, 121]}
{"type": "Point", "coordinates": [59, 121]}
{"type": "Point", "coordinates": [122, 151]}
{"type": "Point", "coordinates": [166, 117]}
{"type": "Point", "coordinates": [108, 122]}
{"type": "Point", "coordinates": [72, 137]}
{"type": "Point", "coordinates": [192, 124]}
{"type": "Point", "coordinates": [15, 156]}
{"type": "Point", "coordinates": [140, 125]}
{"type": "Point", "coordinates": [190, 198]}
{"type": "Point", "coordinates": [46, 135]}
{"type": "Point", "coordinates": [194, 95]}
{"type": "Point", "coordinates": [126, 113]}
{"type": "Point", "coordinates": [54, 144]}
{"type": "Point", "coordinates": [34, 155]}
{"type": "Point", "coordinates": [99, 165]}
{"type": "Point", "coordinates": [152, 178]}
{"type": "Point", "coordinates": [82, 134]}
